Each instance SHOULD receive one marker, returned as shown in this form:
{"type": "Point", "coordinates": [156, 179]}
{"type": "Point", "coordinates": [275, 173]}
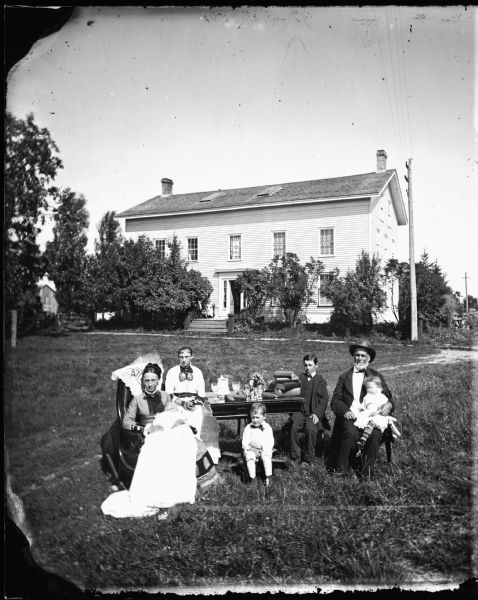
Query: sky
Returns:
{"type": "Point", "coordinates": [220, 98]}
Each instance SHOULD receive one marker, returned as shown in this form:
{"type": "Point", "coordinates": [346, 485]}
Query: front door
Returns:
{"type": "Point", "coordinates": [231, 298]}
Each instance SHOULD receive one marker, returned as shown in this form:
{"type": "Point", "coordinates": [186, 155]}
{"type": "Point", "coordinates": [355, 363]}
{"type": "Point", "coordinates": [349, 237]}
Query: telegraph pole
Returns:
{"type": "Point", "coordinates": [466, 292]}
{"type": "Point", "coordinates": [411, 245]}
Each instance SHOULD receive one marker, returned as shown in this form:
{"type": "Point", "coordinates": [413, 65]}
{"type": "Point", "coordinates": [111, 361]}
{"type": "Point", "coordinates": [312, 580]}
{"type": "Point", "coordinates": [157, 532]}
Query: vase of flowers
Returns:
{"type": "Point", "coordinates": [255, 387]}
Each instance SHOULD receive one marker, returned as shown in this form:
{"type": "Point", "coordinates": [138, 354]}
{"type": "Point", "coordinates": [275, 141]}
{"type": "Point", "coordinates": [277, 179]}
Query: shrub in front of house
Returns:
{"type": "Point", "coordinates": [249, 325]}
{"type": "Point", "coordinates": [448, 336]}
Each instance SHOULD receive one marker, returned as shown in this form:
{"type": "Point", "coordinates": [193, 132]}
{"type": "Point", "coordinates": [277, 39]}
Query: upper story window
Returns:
{"type": "Point", "coordinates": [322, 298]}
{"type": "Point", "coordinates": [193, 249]}
{"type": "Point", "coordinates": [234, 247]}
{"type": "Point", "coordinates": [327, 245]}
{"type": "Point", "coordinates": [161, 247]}
{"type": "Point", "coordinates": [278, 244]}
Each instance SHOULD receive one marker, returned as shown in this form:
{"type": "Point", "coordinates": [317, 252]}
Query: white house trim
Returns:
{"type": "Point", "coordinates": [243, 207]}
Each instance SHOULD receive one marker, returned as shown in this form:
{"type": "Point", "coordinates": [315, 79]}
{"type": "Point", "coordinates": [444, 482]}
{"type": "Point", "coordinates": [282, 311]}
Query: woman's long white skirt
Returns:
{"type": "Point", "coordinates": [165, 475]}
{"type": "Point", "coordinates": [207, 427]}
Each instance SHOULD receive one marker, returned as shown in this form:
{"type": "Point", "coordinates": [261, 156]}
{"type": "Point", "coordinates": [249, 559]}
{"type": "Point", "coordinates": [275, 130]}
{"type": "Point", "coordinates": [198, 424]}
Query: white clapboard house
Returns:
{"type": "Point", "coordinates": [224, 232]}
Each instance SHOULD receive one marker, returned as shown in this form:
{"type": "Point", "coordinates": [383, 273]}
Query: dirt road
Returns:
{"type": "Point", "coordinates": [442, 357]}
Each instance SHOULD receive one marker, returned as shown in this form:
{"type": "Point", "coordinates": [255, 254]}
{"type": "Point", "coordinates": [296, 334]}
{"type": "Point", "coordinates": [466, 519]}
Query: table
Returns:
{"type": "Point", "coordinates": [239, 409]}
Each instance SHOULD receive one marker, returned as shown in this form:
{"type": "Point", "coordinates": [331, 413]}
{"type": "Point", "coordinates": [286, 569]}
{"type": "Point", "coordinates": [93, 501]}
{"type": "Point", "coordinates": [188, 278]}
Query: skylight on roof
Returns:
{"type": "Point", "coordinates": [212, 196]}
{"type": "Point", "coordinates": [268, 191]}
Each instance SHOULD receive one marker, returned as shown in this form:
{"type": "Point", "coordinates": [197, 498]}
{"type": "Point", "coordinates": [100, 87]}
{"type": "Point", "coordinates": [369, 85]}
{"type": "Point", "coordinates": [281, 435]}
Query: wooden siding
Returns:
{"type": "Point", "coordinates": [383, 242]}
{"type": "Point", "coordinates": [48, 299]}
{"type": "Point", "coordinates": [383, 227]}
{"type": "Point", "coordinates": [349, 220]}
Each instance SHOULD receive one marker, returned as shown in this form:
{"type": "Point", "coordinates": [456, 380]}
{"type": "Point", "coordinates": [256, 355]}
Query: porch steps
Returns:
{"type": "Point", "coordinates": [208, 325]}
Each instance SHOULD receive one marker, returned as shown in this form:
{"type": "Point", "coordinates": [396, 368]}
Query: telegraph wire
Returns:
{"type": "Point", "coordinates": [407, 104]}
{"type": "Point", "coordinates": [396, 93]}
{"type": "Point", "coordinates": [392, 113]}
{"type": "Point", "coordinates": [401, 86]}
{"type": "Point", "coordinates": [396, 80]}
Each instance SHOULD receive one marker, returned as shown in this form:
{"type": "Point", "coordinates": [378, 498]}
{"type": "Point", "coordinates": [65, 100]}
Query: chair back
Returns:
{"type": "Point", "coordinates": [123, 398]}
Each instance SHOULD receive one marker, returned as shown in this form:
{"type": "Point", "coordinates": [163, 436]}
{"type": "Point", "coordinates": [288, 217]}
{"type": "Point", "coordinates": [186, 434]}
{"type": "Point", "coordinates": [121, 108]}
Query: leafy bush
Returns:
{"type": "Point", "coordinates": [358, 298]}
{"type": "Point", "coordinates": [292, 284]}
{"type": "Point", "coordinates": [157, 291]}
{"type": "Point", "coordinates": [435, 300]}
{"type": "Point", "coordinates": [254, 283]}
{"type": "Point", "coordinates": [34, 324]}
{"type": "Point", "coordinates": [285, 282]}
{"type": "Point", "coordinates": [249, 325]}
{"type": "Point", "coordinates": [448, 336]}
{"type": "Point", "coordinates": [321, 329]}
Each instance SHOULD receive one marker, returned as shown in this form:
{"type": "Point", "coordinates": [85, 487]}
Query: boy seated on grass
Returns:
{"type": "Point", "coordinates": [368, 417]}
{"type": "Point", "coordinates": [258, 442]}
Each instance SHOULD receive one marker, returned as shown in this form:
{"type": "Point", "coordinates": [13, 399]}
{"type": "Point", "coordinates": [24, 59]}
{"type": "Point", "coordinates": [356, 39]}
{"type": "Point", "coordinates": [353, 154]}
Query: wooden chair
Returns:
{"type": "Point", "coordinates": [388, 440]}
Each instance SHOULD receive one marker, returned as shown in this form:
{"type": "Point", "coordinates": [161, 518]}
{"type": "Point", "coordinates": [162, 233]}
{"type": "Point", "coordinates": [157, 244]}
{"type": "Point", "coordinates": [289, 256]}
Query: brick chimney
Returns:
{"type": "Point", "coordinates": [381, 160]}
{"type": "Point", "coordinates": [167, 185]}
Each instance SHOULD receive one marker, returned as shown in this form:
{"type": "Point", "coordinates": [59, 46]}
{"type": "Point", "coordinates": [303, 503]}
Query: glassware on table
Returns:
{"type": "Point", "coordinates": [222, 388]}
{"type": "Point", "coordinates": [258, 391]}
{"type": "Point", "coordinates": [236, 386]}
{"type": "Point", "coordinates": [214, 391]}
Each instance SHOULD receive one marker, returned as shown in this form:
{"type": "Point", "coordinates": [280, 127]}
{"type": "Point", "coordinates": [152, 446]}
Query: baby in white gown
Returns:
{"type": "Point", "coordinates": [165, 473]}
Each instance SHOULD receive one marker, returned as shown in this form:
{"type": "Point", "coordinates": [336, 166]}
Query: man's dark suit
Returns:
{"type": "Point", "coordinates": [316, 398]}
{"type": "Point", "coordinates": [345, 434]}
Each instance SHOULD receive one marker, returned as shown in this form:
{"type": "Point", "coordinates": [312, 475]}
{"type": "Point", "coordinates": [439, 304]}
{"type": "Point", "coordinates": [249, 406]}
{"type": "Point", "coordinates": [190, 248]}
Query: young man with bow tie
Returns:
{"type": "Point", "coordinates": [313, 388]}
{"type": "Point", "coordinates": [184, 381]}
{"type": "Point", "coordinates": [345, 403]}
{"type": "Point", "coordinates": [185, 384]}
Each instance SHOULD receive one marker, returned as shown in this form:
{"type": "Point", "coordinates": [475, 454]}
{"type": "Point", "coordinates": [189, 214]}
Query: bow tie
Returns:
{"type": "Point", "coordinates": [261, 427]}
{"type": "Point", "coordinates": [185, 373]}
{"type": "Point", "coordinates": [359, 371]}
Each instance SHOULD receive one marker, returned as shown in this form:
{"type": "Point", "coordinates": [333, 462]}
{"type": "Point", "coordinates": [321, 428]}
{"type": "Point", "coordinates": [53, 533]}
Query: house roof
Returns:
{"type": "Point", "coordinates": [46, 282]}
{"type": "Point", "coordinates": [351, 186]}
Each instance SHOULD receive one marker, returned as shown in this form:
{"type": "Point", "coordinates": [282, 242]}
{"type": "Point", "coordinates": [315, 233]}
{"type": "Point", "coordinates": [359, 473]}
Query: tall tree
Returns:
{"type": "Point", "coordinates": [31, 164]}
{"type": "Point", "coordinates": [358, 298]}
{"type": "Point", "coordinates": [472, 302]}
{"type": "Point", "coordinates": [292, 284]}
{"type": "Point", "coordinates": [104, 269]}
{"type": "Point", "coordinates": [109, 232]}
{"type": "Point", "coordinates": [432, 289]}
{"type": "Point", "coordinates": [65, 256]}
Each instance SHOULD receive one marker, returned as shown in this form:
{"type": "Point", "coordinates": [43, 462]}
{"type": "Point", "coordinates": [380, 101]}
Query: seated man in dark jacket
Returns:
{"type": "Point", "coordinates": [347, 396]}
{"type": "Point", "coordinates": [313, 388]}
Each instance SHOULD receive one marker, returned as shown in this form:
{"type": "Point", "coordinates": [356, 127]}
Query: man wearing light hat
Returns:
{"type": "Point", "coordinates": [346, 399]}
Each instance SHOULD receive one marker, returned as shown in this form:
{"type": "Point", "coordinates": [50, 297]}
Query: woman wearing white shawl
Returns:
{"type": "Point", "coordinates": [165, 473]}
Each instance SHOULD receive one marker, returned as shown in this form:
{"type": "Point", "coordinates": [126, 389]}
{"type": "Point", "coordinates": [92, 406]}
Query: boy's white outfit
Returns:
{"type": "Point", "coordinates": [258, 442]}
{"type": "Point", "coordinates": [368, 410]}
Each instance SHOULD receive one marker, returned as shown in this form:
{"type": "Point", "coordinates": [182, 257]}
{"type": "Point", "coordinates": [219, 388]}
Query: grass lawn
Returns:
{"type": "Point", "coordinates": [414, 518]}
